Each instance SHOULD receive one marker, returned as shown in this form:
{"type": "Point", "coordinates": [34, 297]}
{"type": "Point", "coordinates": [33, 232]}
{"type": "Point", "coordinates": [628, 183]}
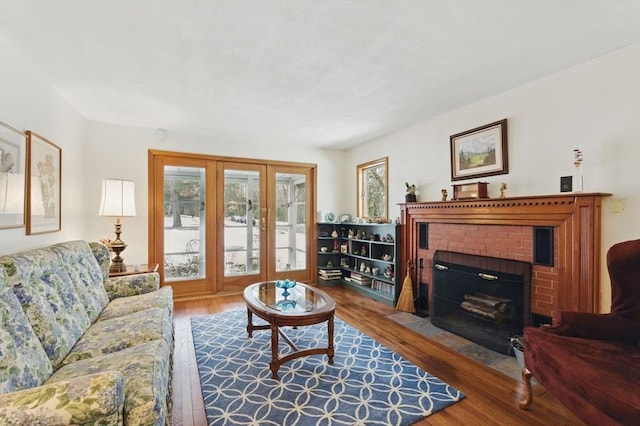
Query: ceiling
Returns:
{"type": "Point", "coordinates": [317, 73]}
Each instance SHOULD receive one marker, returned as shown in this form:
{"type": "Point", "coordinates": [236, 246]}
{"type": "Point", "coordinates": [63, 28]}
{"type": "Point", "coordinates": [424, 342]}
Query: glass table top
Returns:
{"type": "Point", "coordinates": [297, 299]}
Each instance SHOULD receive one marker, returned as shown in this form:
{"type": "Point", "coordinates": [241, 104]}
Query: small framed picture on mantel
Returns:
{"type": "Point", "coordinates": [480, 152]}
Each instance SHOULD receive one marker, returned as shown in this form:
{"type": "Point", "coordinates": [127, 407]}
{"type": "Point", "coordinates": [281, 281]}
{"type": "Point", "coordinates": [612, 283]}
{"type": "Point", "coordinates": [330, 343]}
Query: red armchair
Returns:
{"type": "Point", "coordinates": [591, 362]}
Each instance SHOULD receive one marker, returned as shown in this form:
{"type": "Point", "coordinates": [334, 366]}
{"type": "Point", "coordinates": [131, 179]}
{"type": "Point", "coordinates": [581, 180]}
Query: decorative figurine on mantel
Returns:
{"type": "Point", "coordinates": [410, 197]}
{"type": "Point", "coordinates": [444, 194]}
{"type": "Point", "coordinates": [503, 188]}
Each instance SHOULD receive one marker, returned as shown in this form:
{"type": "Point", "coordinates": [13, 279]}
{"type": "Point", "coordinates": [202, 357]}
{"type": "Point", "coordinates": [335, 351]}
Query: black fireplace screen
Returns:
{"type": "Point", "coordinates": [484, 299]}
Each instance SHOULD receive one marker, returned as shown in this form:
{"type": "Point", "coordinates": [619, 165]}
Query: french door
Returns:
{"type": "Point", "coordinates": [218, 225]}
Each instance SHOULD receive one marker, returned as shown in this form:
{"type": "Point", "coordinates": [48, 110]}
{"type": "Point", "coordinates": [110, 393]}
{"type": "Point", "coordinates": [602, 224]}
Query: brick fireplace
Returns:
{"type": "Point", "coordinates": [504, 228]}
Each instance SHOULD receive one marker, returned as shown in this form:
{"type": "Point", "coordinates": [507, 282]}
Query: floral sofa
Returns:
{"type": "Point", "coordinates": [79, 347]}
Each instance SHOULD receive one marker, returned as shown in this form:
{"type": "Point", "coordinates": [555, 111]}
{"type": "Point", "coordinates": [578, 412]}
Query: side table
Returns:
{"type": "Point", "coordinates": [142, 269]}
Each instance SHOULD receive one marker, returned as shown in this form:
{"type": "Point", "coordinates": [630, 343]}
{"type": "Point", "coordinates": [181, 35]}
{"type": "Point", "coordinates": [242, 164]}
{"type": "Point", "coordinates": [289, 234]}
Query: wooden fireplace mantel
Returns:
{"type": "Point", "coordinates": [576, 216]}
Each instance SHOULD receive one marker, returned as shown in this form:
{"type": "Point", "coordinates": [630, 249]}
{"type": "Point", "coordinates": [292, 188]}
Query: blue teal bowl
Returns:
{"type": "Point", "coordinates": [286, 284]}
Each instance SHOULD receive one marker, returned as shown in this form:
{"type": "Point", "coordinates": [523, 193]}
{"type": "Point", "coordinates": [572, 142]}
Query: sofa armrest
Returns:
{"type": "Point", "coordinates": [91, 399]}
{"type": "Point", "coordinates": [132, 285]}
{"type": "Point", "coordinates": [596, 326]}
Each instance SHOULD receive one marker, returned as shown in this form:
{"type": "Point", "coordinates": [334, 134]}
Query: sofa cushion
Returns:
{"type": "Point", "coordinates": [85, 273]}
{"type": "Point", "coordinates": [604, 373]}
{"type": "Point", "coordinates": [119, 333]}
{"type": "Point", "coordinates": [103, 256]}
{"type": "Point", "coordinates": [95, 399]}
{"type": "Point", "coordinates": [23, 362]}
{"type": "Point", "coordinates": [132, 285]}
{"type": "Point", "coordinates": [49, 300]}
{"type": "Point", "coordinates": [146, 374]}
{"type": "Point", "coordinates": [162, 298]}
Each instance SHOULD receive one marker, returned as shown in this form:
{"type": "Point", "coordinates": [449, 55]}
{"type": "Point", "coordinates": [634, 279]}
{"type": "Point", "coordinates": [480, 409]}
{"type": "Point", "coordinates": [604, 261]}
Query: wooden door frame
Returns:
{"type": "Point", "coordinates": [156, 200]}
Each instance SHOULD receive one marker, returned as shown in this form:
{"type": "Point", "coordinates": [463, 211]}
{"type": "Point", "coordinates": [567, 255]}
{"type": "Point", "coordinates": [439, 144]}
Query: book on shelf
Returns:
{"type": "Point", "coordinates": [382, 287]}
{"type": "Point", "coordinates": [360, 279]}
{"type": "Point", "coordinates": [329, 274]}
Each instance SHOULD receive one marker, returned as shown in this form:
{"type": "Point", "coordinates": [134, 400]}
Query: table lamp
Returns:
{"type": "Point", "coordinates": [118, 200]}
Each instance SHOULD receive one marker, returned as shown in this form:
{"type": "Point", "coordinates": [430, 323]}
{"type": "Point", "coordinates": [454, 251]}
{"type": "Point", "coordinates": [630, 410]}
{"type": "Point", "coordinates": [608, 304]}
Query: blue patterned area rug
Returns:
{"type": "Point", "coordinates": [368, 384]}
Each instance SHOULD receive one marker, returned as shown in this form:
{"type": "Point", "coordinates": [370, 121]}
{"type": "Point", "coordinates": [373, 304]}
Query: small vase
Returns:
{"type": "Point", "coordinates": [578, 157]}
{"type": "Point", "coordinates": [579, 179]}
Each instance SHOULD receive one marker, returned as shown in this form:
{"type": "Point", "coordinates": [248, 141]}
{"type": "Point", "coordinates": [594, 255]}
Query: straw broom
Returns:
{"type": "Point", "coordinates": [405, 301]}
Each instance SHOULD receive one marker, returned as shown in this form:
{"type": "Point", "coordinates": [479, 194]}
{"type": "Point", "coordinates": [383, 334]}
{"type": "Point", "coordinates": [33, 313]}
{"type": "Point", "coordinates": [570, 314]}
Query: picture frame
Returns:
{"type": "Point", "coordinates": [480, 152]}
{"type": "Point", "coordinates": [44, 184]}
{"type": "Point", "coordinates": [13, 175]}
{"type": "Point", "coordinates": [345, 218]}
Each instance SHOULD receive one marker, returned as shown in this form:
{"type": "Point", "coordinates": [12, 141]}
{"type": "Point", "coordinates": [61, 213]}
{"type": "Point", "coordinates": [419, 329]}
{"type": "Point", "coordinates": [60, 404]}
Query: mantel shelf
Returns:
{"type": "Point", "coordinates": [528, 200]}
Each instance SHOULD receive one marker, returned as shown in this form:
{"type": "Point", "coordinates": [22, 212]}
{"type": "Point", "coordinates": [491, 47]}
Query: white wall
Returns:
{"type": "Point", "coordinates": [595, 104]}
{"type": "Point", "coordinates": [29, 103]}
{"type": "Point", "coordinates": [122, 153]}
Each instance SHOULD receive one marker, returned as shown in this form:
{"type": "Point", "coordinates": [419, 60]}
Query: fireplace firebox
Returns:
{"type": "Point", "coordinates": [483, 299]}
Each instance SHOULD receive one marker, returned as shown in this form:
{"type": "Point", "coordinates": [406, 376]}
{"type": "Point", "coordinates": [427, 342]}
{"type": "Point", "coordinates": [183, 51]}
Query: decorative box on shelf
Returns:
{"type": "Point", "coordinates": [470, 191]}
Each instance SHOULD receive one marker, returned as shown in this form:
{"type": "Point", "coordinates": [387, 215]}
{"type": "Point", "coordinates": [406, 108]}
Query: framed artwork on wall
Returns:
{"type": "Point", "coordinates": [44, 183]}
{"type": "Point", "coordinates": [13, 164]}
{"type": "Point", "coordinates": [480, 152]}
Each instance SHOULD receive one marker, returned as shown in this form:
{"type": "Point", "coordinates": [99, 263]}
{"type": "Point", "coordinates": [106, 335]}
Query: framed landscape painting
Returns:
{"type": "Point", "coordinates": [480, 152]}
{"type": "Point", "coordinates": [13, 162]}
{"type": "Point", "coordinates": [43, 185]}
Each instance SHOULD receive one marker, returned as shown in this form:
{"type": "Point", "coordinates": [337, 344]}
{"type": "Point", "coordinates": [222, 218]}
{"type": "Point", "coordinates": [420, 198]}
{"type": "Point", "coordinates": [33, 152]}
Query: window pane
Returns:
{"type": "Point", "coordinates": [184, 225]}
{"type": "Point", "coordinates": [375, 185]}
{"type": "Point", "coordinates": [291, 232]}
{"type": "Point", "coordinates": [372, 189]}
{"type": "Point", "coordinates": [241, 229]}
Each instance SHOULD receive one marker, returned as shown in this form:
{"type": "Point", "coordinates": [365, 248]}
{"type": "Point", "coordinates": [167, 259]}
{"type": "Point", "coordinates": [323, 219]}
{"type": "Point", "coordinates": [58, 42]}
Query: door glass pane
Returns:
{"type": "Point", "coordinates": [184, 224]}
{"type": "Point", "coordinates": [291, 232]}
{"type": "Point", "coordinates": [241, 227]}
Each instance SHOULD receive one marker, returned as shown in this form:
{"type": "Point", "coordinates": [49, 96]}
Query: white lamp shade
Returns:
{"type": "Point", "coordinates": [118, 198]}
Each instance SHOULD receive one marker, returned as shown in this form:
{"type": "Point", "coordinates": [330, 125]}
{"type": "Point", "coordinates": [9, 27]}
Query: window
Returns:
{"type": "Point", "coordinates": [372, 197]}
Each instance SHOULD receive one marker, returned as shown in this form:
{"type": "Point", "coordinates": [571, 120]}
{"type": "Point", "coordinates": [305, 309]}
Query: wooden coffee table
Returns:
{"type": "Point", "coordinates": [304, 305]}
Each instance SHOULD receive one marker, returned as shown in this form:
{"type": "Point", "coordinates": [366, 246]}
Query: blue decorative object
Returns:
{"type": "Point", "coordinates": [286, 304]}
{"type": "Point", "coordinates": [286, 285]}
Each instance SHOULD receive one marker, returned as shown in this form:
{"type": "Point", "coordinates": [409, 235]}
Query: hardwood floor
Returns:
{"type": "Point", "coordinates": [492, 398]}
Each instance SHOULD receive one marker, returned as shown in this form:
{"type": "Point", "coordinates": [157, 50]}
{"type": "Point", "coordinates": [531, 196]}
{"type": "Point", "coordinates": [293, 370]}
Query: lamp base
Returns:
{"type": "Point", "coordinates": [117, 263]}
{"type": "Point", "coordinates": [117, 246]}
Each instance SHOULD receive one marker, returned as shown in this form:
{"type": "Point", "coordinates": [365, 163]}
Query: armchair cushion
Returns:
{"type": "Point", "coordinates": [607, 327]}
